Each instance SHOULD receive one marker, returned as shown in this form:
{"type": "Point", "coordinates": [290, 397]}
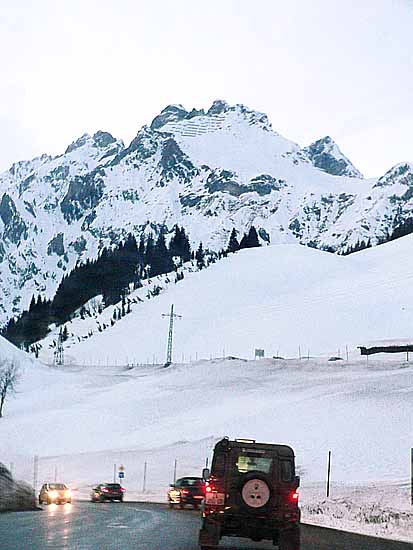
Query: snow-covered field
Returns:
{"type": "Point", "coordinates": [83, 418]}
{"type": "Point", "coordinates": [285, 299]}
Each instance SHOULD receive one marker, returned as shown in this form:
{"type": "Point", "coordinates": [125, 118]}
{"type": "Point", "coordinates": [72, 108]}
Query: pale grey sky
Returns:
{"type": "Point", "coordinates": [316, 67]}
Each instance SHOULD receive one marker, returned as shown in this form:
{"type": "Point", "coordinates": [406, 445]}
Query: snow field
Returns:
{"type": "Point", "coordinates": [285, 299]}
{"type": "Point", "coordinates": [82, 421]}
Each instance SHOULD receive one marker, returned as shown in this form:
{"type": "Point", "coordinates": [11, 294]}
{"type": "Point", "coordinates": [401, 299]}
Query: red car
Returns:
{"type": "Point", "coordinates": [107, 491]}
{"type": "Point", "coordinates": [186, 490]}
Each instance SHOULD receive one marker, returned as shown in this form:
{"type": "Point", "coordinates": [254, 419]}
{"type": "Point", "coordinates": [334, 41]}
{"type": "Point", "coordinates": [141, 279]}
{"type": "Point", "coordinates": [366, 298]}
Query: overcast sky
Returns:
{"type": "Point", "coordinates": [316, 67]}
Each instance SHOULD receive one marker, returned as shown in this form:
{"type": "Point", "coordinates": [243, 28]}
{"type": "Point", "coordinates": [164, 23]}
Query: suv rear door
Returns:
{"type": "Point", "coordinates": [251, 480]}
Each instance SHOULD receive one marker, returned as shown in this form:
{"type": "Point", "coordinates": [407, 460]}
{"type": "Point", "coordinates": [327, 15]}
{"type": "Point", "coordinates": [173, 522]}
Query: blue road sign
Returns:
{"type": "Point", "coordinates": [121, 475]}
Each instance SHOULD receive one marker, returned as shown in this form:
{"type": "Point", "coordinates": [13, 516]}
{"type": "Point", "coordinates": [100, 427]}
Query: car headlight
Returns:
{"type": "Point", "coordinates": [68, 493]}
{"type": "Point", "coordinates": [53, 494]}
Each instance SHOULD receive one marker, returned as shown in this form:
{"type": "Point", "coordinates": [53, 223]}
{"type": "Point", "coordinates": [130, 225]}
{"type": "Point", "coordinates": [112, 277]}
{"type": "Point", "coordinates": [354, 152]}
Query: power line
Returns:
{"type": "Point", "coordinates": [171, 316]}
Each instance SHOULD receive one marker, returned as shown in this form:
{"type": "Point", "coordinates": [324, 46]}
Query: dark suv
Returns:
{"type": "Point", "coordinates": [251, 492]}
{"type": "Point", "coordinates": [187, 490]}
{"type": "Point", "coordinates": [107, 491]}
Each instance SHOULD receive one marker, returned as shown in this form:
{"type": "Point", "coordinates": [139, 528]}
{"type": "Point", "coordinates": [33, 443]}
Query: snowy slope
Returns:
{"type": "Point", "coordinates": [82, 421]}
{"type": "Point", "coordinates": [285, 299]}
{"type": "Point", "coordinates": [8, 352]}
{"type": "Point", "coordinates": [209, 171]}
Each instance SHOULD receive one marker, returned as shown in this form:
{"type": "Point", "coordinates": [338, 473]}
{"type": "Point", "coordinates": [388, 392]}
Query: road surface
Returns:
{"type": "Point", "coordinates": [129, 526]}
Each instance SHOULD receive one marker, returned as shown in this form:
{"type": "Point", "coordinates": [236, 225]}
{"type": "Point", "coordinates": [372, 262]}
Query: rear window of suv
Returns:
{"type": "Point", "coordinates": [247, 463]}
{"type": "Point", "coordinates": [114, 486]}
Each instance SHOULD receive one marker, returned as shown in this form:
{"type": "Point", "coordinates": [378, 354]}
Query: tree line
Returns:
{"type": "Point", "coordinates": [112, 275]}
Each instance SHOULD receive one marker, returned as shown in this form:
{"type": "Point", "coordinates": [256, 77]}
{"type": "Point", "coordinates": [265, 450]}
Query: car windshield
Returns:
{"type": "Point", "coordinates": [192, 482]}
{"type": "Point", "coordinates": [57, 486]}
{"type": "Point", "coordinates": [247, 463]}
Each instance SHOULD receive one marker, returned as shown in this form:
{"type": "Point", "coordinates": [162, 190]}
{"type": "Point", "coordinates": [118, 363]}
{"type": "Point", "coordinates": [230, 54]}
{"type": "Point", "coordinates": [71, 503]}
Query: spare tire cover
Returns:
{"type": "Point", "coordinates": [255, 493]}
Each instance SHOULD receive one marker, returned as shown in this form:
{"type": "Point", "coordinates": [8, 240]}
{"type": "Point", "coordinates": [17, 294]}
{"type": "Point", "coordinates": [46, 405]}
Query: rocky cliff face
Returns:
{"type": "Point", "coordinates": [326, 155]}
{"type": "Point", "coordinates": [208, 171]}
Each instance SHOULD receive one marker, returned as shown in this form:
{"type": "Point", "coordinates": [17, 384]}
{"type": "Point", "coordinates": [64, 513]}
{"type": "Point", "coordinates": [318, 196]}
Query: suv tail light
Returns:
{"type": "Point", "coordinates": [185, 492]}
{"type": "Point", "coordinates": [104, 490]}
{"type": "Point", "coordinates": [122, 490]}
{"type": "Point", "coordinates": [294, 496]}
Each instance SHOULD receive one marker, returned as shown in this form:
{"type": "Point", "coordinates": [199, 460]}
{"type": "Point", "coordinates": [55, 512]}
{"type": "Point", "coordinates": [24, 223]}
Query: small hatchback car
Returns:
{"type": "Point", "coordinates": [107, 491]}
{"type": "Point", "coordinates": [55, 493]}
{"type": "Point", "coordinates": [186, 490]}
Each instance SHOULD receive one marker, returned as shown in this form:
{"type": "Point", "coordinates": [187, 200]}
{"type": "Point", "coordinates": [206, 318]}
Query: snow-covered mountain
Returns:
{"type": "Point", "coordinates": [208, 171]}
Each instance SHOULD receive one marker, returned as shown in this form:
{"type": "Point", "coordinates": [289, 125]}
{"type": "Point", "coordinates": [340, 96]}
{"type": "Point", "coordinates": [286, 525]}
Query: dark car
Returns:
{"type": "Point", "coordinates": [251, 492]}
{"type": "Point", "coordinates": [107, 491]}
{"type": "Point", "coordinates": [55, 493]}
{"type": "Point", "coordinates": [187, 490]}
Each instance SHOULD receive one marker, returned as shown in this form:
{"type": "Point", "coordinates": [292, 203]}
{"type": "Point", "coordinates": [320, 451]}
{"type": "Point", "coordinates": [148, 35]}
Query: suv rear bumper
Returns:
{"type": "Point", "coordinates": [252, 527]}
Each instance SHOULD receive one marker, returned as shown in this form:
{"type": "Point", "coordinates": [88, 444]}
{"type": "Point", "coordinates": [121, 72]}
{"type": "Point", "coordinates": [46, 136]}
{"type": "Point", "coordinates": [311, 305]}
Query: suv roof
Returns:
{"type": "Point", "coordinates": [226, 444]}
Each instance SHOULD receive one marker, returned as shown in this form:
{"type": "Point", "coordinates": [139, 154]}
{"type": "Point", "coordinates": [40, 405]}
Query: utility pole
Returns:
{"type": "Point", "coordinates": [171, 316]}
{"type": "Point", "coordinates": [328, 474]}
{"type": "Point", "coordinates": [145, 466]}
{"type": "Point", "coordinates": [35, 471]}
{"type": "Point", "coordinates": [58, 354]}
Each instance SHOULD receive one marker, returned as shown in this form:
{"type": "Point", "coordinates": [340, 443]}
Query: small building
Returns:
{"type": "Point", "coordinates": [387, 346]}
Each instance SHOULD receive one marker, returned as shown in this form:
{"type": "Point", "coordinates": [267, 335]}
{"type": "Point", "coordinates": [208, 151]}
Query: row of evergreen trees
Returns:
{"type": "Point", "coordinates": [356, 247]}
{"type": "Point", "coordinates": [112, 275]}
{"type": "Point", "coordinates": [249, 240]}
{"type": "Point", "coordinates": [401, 230]}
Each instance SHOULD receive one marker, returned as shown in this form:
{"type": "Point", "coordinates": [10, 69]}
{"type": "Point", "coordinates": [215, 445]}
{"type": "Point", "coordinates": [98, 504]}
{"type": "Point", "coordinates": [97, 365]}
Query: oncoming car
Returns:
{"type": "Point", "coordinates": [107, 491]}
{"type": "Point", "coordinates": [186, 490]}
{"type": "Point", "coordinates": [55, 493]}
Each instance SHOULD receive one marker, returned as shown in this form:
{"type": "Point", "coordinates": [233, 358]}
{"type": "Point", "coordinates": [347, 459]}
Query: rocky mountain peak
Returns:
{"type": "Point", "coordinates": [218, 107]}
{"type": "Point", "coordinates": [99, 140]}
{"type": "Point", "coordinates": [402, 174]}
{"type": "Point", "coordinates": [326, 155]}
{"type": "Point", "coordinates": [103, 139]}
{"type": "Point", "coordinates": [80, 142]}
{"type": "Point", "coordinates": [171, 113]}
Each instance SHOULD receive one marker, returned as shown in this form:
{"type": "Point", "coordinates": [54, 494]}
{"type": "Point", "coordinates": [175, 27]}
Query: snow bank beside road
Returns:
{"type": "Point", "coordinates": [14, 495]}
{"type": "Point", "coordinates": [381, 510]}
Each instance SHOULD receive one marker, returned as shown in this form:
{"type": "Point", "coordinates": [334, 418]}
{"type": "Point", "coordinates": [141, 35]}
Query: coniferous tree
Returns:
{"type": "Point", "coordinates": [200, 257]}
{"type": "Point", "coordinates": [161, 258]}
{"type": "Point", "coordinates": [233, 244]}
{"type": "Point", "coordinates": [185, 246]}
{"type": "Point", "coordinates": [149, 250]}
{"type": "Point", "coordinates": [250, 239]}
{"type": "Point", "coordinates": [253, 240]}
{"type": "Point", "coordinates": [175, 243]}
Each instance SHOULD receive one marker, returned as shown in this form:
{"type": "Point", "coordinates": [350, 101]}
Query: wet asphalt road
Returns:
{"type": "Point", "coordinates": [129, 526]}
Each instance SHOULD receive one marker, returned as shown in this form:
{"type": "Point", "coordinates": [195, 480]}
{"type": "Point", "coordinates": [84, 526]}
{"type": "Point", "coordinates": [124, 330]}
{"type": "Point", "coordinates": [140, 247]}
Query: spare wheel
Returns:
{"type": "Point", "coordinates": [255, 493]}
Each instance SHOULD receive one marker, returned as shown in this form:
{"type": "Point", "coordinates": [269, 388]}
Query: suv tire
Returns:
{"type": "Point", "coordinates": [250, 492]}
